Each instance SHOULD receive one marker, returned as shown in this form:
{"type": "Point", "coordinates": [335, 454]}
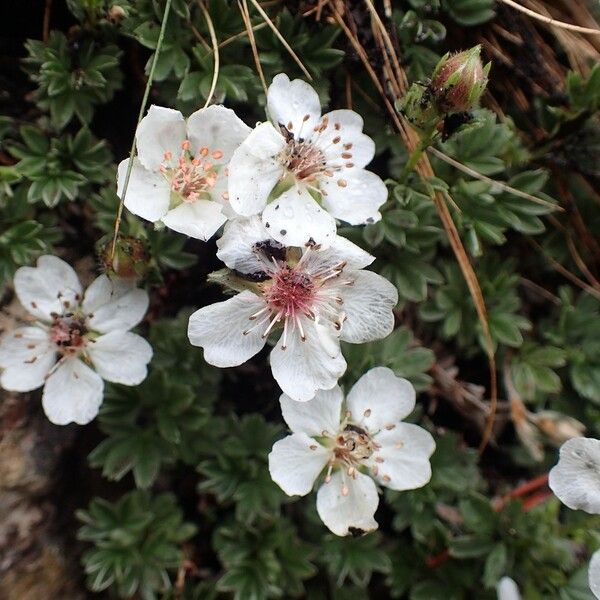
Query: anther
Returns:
{"type": "Point", "coordinates": [345, 490]}
{"type": "Point", "coordinates": [367, 412]}
{"type": "Point", "coordinates": [185, 145]}
{"type": "Point", "coordinates": [342, 183]}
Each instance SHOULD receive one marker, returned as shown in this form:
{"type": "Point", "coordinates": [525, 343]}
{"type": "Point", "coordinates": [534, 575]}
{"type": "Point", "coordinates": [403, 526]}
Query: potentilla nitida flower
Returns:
{"type": "Point", "coordinates": [180, 174]}
{"type": "Point", "coordinates": [351, 444]}
{"type": "Point", "coordinates": [75, 341]}
{"type": "Point", "coordinates": [310, 297]}
{"type": "Point", "coordinates": [575, 480]}
{"type": "Point", "coordinates": [303, 170]}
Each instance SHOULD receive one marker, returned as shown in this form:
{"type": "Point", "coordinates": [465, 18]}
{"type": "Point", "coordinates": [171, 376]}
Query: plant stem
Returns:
{"type": "Point", "coordinates": [161, 36]}
{"type": "Point", "coordinates": [416, 154]}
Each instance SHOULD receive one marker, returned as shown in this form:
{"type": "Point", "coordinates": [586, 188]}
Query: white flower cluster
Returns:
{"type": "Point", "coordinates": [278, 190]}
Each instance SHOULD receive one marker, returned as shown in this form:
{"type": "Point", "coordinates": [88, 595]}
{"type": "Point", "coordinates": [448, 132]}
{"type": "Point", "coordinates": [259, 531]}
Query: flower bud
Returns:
{"type": "Point", "coordinates": [130, 261]}
{"type": "Point", "coordinates": [459, 80]}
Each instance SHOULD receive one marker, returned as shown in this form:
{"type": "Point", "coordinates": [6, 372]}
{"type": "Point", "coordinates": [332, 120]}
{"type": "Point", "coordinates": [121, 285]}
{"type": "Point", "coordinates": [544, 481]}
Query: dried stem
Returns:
{"type": "Point", "coordinates": [161, 36]}
{"type": "Point", "coordinates": [215, 47]}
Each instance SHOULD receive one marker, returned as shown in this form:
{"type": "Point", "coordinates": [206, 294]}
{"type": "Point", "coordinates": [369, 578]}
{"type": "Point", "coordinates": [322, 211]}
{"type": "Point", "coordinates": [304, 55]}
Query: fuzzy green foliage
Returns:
{"type": "Point", "coordinates": [136, 543]}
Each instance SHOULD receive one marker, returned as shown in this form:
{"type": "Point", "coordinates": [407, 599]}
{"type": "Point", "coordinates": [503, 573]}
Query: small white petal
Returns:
{"type": "Point", "coordinates": [594, 574]}
{"type": "Point", "coordinates": [291, 102]}
{"type": "Point", "coordinates": [405, 451]}
{"type": "Point", "coordinates": [238, 242]}
{"type": "Point", "coordinates": [358, 202]}
{"type": "Point", "coordinates": [346, 125]}
{"type": "Point", "coordinates": [148, 193]}
{"type": "Point", "coordinates": [51, 287]}
{"type": "Point", "coordinates": [114, 304]}
{"type": "Point", "coordinates": [368, 305]}
{"type": "Point", "coordinates": [26, 355]}
{"type": "Point", "coordinates": [507, 589]}
{"type": "Point", "coordinates": [161, 130]}
{"type": "Point", "coordinates": [121, 357]}
{"type": "Point", "coordinates": [295, 463]}
{"type": "Point", "coordinates": [380, 398]}
{"type": "Point", "coordinates": [217, 128]}
{"type": "Point", "coordinates": [341, 252]}
{"type": "Point", "coordinates": [199, 219]}
{"type": "Point", "coordinates": [341, 512]}
{"type": "Point", "coordinates": [315, 416]}
{"type": "Point", "coordinates": [73, 393]}
{"type": "Point", "coordinates": [305, 366]}
{"type": "Point", "coordinates": [576, 477]}
{"type": "Point", "coordinates": [220, 329]}
{"type": "Point", "coordinates": [295, 219]}
{"type": "Point", "coordinates": [254, 170]}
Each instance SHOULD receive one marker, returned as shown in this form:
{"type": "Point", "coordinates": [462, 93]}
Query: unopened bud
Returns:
{"type": "Point", "coordinates": [459, 80]}
{"type": "Point", "coordinates": [130, 260]}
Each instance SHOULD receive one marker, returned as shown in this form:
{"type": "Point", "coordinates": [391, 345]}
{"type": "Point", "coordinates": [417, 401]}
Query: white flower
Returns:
{"type": "Point", "coordinates": [309, 158]}
{"type": "Point", "coordinates": [355, 442]}
{"type": "Point", "coordinates": [576, 478]}
{"type": "Point", "coordinates": [179, 176]}
{"type": "Point", "coordinates": [313, 297]}
{"type": "Point", "coordinates": [507, 589]}
{"type": "Point", "coordinates": [80, 332]}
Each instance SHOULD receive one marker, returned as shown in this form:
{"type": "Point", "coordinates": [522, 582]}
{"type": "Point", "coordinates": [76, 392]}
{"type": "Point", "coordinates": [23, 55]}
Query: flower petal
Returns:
{"type": "Point", "coordinates": [295, 219]}
{"type": "Point", "coordinates": [305, 366]}
{"type": "Point", "coordinates": [254, 170]}
{"type": "Point", "coordinates": [217, 128]}
{"type": "Point", "coordinates": [358, 202]}
{"type": "Point", "coordinates": [315, 416]}
{"type": "Point", "coordinates": [220, 329]}
{"type": "Point", "coordinates": [161, 130]}
{"type": "Point", "coordinates": [51, 287]}
{"type": "Point", "coordinates": [295, 463]}
{"type": "Point", "coordinates": [26, 355]}
{"type": "Point", "coordinates": [73, 393]}
{"type": "Point", "coordinates": [121, 357]}
{"type": "Point", "coordinates": [368, 305]}
{"type": "Point", "coordinates": [199, 219]}
{"type": "Point", "coordinates": [594, 574]}
{"type": "Point", "coordinates": [114, 304]}
{"type": "Point", "coordinates": [380, 398]}
{"type": "Point", "coordinates": [148, 193]}
{"type": "Point", "coordinates": [576, 477]}
{"type": "Point", "coordinates": [236, 247]}
{"type": "Point", "coordinates": [404, 456]}
{"type": "Point", "coordinates": [342, 251]}
{"type": "Point", "coordinates": [291, 102]}
{"type": "Point", "coordinates": [506, 589]}
{"type": "Point", "coordinates": [344, 514]}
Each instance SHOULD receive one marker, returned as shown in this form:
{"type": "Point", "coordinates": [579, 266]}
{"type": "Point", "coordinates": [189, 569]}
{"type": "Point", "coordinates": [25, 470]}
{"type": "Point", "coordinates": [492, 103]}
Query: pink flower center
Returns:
{"type": "Point", "coordinates": [291, 293]}
{"type": "Point", "coordinates": [305, 152]}
{"type": "Point", "coordinates": [192, 176]}
{"type": "Point", "coordinates": [68, 334]}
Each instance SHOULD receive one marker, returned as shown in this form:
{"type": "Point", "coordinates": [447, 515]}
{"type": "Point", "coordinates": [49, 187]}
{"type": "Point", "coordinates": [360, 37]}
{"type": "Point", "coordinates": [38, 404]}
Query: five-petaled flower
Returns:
{"type": "Point", "coordinates": [314, 297]}
{"type": "Point", "coordinates": [179, 176]}
{"type": "Point", "coordinates": [303, 170]}
{"type": "Point", "coordinates": [575, 480]}
{"type": "Point", "coordinates": [353, 442]}
{"type": "Point", "coordinates": [73, 332]}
